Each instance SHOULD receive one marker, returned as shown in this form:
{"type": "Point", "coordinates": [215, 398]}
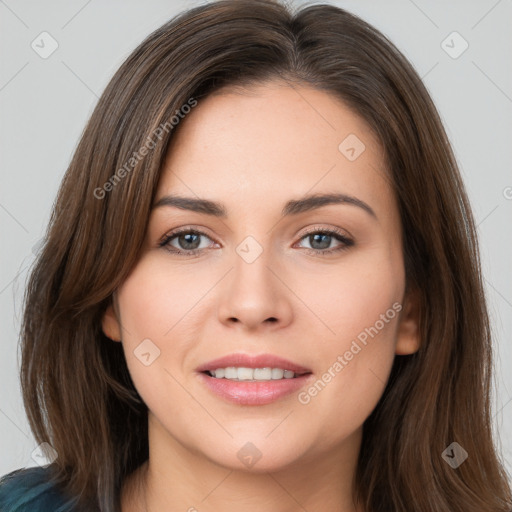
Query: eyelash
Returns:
{"type": "Point", "coordinates": [338, 235]}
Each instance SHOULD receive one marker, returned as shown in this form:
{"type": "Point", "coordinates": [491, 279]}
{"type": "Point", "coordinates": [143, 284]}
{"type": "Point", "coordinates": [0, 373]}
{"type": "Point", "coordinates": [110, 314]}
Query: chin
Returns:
{"type": "Point", "coordinates": [257, 457]}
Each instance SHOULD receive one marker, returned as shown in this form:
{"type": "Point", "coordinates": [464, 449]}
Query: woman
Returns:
{"type": "Point", "coordinates": [260, 286]}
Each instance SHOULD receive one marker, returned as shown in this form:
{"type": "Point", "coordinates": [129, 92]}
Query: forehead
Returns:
{"type": "Point", "coordinates": [271, 142]}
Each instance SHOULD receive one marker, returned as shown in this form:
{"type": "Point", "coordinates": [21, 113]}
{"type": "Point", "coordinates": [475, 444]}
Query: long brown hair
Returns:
{"type": "Point", "coordinates": [77, 391]}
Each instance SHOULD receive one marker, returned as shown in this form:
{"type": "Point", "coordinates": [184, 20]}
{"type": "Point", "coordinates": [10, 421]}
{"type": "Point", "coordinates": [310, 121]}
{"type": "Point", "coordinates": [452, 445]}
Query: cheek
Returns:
{"type": "Point", "coordinates": [355, 353]}
{"type": "Point", "coordinates": [153, 313]}
{"type": "Point", "coordinates": [156, 298]}
{"type": "Point", "coordinates": [358, 295]}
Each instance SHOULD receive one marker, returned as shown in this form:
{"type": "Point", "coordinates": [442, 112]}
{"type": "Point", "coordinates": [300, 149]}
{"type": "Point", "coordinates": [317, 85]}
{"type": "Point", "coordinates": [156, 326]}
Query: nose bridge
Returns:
{"type": "Point", "coordinates": [251, 267]}
{"type": "Point", "coordinates": [254, 294]}
{"type": "Point", "coordinates": [252, 277]}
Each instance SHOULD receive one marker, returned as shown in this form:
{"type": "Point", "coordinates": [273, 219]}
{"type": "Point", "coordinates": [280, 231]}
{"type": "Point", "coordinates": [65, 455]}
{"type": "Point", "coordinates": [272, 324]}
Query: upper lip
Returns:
{"type": "Point", "coordinates": [252, 361]}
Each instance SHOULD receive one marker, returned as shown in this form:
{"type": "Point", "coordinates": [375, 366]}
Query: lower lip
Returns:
{"type": "Point", "coordinates": [254, 393]}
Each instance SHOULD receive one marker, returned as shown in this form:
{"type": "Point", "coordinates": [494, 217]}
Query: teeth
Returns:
{"type": "Point", "coordinates": [251, 374]}
{"type": "Point", "coordinates": [230, 373]}
{"type": "Point", "coordinates": [277, 373]}
{"type": "Point", "coordinates": [262, 373]}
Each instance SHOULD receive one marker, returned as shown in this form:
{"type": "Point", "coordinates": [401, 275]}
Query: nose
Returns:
{"type": "Point", "coordinates": [254, 295]}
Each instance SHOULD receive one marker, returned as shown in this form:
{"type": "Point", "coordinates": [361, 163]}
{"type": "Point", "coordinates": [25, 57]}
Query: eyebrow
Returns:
{"type": "Point", "coordinates": [292, 207]}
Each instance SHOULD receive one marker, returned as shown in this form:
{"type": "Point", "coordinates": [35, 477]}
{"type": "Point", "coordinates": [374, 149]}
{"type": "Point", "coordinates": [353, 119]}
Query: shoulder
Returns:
{"type": "Point", "coordinates": [31, 489]}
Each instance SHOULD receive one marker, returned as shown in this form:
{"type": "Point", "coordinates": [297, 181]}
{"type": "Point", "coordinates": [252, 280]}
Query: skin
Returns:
{"type": "Point", "coordinates": [253, 150]}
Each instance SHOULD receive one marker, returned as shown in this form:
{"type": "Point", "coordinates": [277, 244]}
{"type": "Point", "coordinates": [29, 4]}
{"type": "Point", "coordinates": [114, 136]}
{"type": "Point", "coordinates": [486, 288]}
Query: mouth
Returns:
{"type": "Point", "coordinates": [253, 380]}
{"type": "Point", "coordinates": [254, 391]}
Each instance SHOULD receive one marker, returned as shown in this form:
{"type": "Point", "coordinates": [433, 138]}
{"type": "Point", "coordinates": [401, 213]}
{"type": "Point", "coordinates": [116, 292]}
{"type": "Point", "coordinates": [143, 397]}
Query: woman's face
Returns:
{"type": "Point", "coordinates": [319, 284]}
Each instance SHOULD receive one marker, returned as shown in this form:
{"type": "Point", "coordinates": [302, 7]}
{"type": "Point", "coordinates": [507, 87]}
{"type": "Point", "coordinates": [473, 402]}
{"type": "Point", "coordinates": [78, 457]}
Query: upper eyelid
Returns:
{"type": "Point", "coordinates": [334, 230]}
{"type": "Point", "coordinates": [186, 229]}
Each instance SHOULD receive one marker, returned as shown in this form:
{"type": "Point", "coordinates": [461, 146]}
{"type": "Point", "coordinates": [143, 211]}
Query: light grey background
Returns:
{"type": "Point", "coordinates": [45, 104]}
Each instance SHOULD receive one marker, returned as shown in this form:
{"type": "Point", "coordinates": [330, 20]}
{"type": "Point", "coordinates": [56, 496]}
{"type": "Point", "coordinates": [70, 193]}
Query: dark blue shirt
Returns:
{"type": "Point", "coordinates": [31, 490]}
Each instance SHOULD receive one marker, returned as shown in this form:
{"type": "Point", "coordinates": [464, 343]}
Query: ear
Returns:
{"type": "Point", "coordinates": [110, 324]}
{"type": "Point", "coordinates": [408, 337]}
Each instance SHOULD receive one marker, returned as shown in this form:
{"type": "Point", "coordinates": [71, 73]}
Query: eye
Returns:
{"type": "Point", "coordinates": [188, 241]}
{"type": "Point", "coordinates": [321, 239]}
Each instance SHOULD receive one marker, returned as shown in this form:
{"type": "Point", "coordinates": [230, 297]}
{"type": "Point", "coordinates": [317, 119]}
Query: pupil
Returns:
{"type": "Point", "coordinates": [187, 243]}
{"type": "Point", "coordinates": [323, 245]}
